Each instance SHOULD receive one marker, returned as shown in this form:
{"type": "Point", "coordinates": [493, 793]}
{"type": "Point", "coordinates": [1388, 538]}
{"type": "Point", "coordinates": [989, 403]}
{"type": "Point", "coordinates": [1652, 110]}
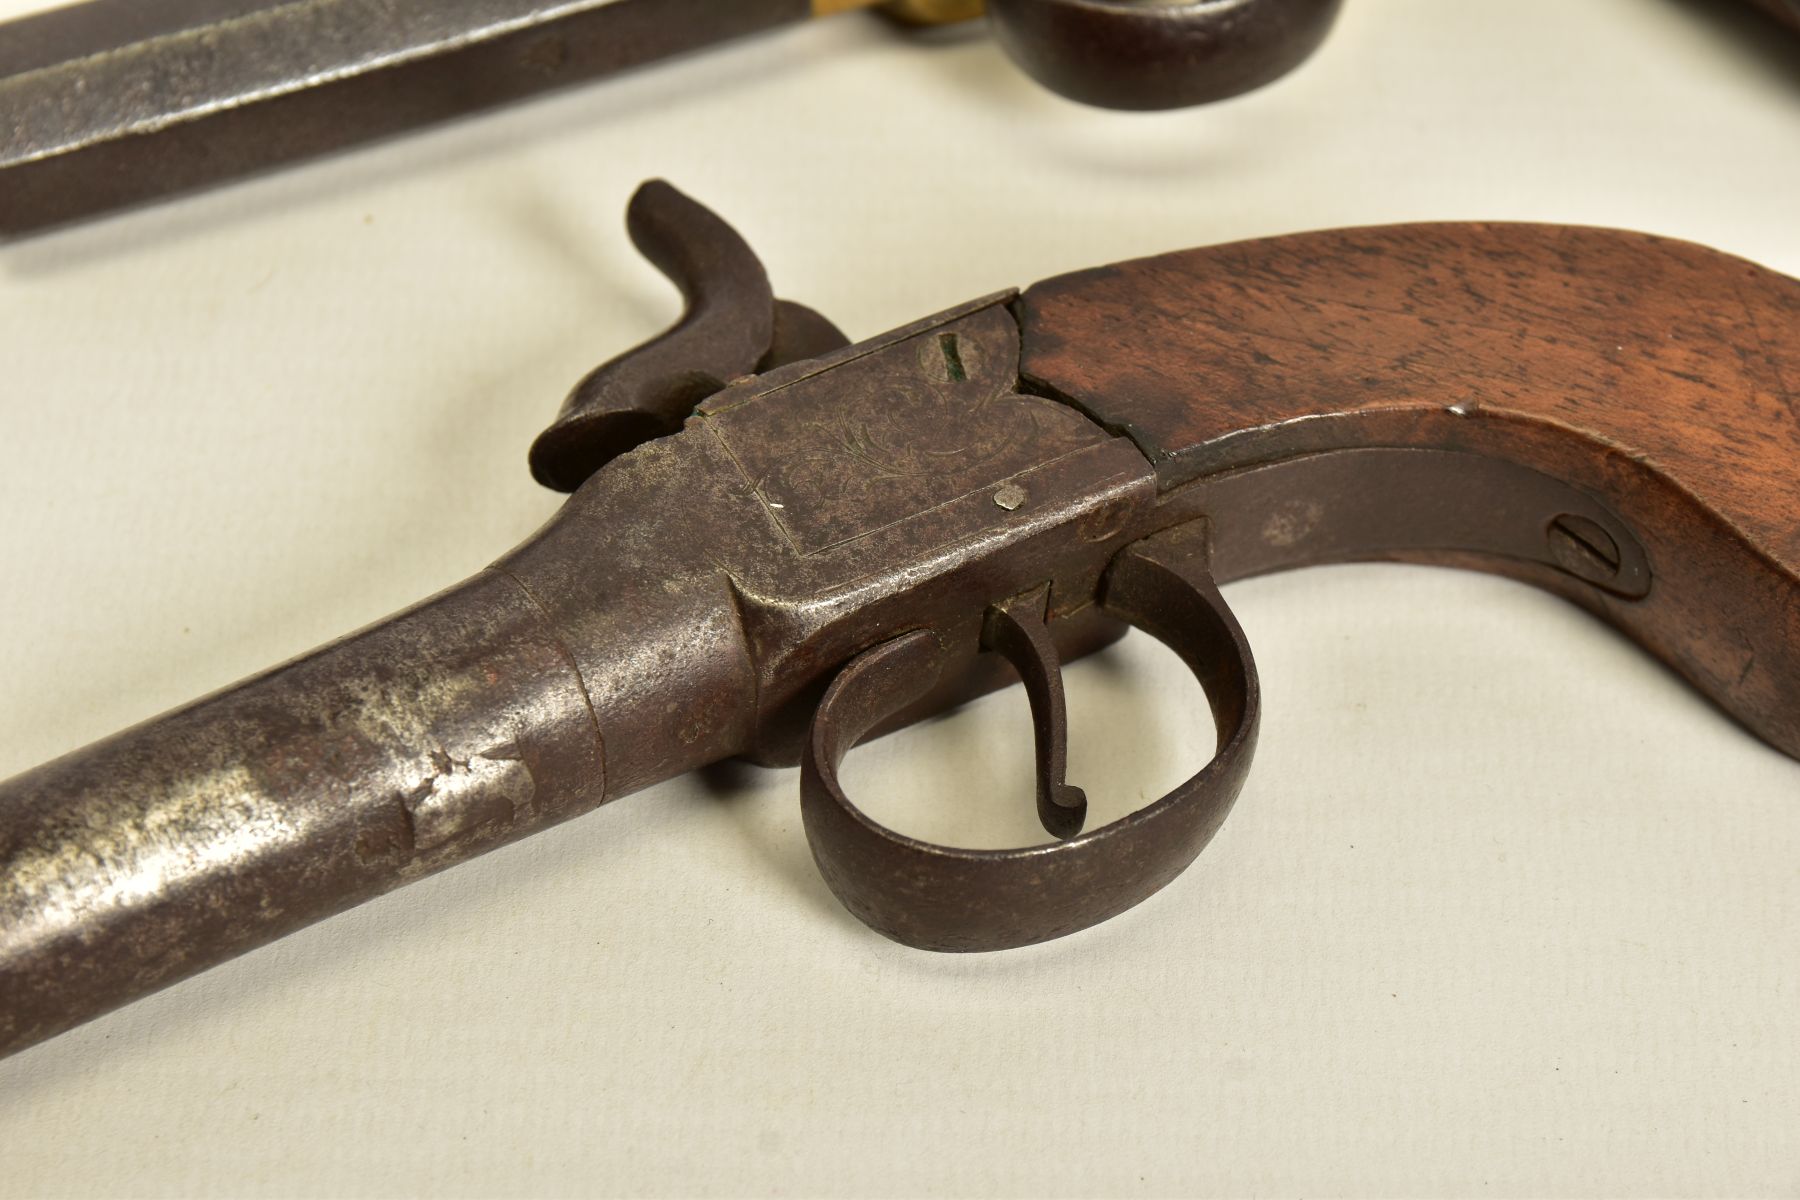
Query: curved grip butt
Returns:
{"type": "Point", "coordinates": [1653, 379]}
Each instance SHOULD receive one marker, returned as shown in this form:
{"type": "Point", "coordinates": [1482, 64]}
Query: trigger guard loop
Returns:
{"type": "Point", "coordinates": [948, 898]}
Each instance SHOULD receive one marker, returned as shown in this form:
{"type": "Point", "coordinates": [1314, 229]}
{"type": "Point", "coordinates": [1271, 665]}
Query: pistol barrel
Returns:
{"type": "Point", "coordinates": [110, 103]}
{"type": "Point", "coordinates": [601, 656]}
{"type": "Point", "coordinates": [190, 838]}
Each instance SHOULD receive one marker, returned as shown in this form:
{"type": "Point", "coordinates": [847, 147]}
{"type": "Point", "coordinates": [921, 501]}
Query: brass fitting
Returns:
{"type": "Point", "coordinates": [912, 12]}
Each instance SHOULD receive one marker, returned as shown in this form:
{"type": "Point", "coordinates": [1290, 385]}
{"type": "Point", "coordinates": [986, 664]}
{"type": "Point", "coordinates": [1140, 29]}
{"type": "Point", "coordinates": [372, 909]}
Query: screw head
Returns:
{"type": "Point", "coordinates": [1583, 548]}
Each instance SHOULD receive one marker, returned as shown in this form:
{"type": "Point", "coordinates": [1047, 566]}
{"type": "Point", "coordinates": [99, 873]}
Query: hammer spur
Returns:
{"type": "Point", "coordinates": [732, 326]}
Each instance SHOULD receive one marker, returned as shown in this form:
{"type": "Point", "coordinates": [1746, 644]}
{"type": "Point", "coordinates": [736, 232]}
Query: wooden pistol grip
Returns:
{"type": "Point", "coordinates": [1651, 380]}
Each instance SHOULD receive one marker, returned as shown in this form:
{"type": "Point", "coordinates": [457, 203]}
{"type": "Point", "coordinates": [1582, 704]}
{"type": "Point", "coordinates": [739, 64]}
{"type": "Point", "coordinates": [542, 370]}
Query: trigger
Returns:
{"type": "Point", "coordinates": [1015, 629]}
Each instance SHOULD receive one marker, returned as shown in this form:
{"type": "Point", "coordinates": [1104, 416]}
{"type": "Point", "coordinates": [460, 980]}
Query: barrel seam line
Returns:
{"type": "Point", "coordinates": [574, 669]}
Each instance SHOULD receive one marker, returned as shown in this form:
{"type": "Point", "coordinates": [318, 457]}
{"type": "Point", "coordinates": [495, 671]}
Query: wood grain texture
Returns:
{"type": "Point", "coordinates": [1659, 377]}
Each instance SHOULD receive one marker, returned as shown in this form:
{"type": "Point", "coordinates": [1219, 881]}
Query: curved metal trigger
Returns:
{"type": "Point", "coordinates": [950, 898]}
{"type": "Point", "coordinates": [1015, 629]}
{"type": "Point", "coordinates": [732, 325]}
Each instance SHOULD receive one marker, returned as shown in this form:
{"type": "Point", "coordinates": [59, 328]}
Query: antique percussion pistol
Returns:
{"type": "Point", "coordinates": [778, 543]}
{"type": "Point", "coordinates": [114, 102]}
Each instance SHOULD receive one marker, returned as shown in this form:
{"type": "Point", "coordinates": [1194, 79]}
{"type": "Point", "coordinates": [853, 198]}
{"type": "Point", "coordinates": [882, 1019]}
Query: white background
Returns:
{"type": "Point", "coordinates": [1505, 908]}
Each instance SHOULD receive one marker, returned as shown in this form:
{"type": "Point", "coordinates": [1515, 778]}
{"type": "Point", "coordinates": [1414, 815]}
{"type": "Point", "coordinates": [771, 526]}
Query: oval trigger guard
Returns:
{"type": "Point", "coordinates": [948, 898]}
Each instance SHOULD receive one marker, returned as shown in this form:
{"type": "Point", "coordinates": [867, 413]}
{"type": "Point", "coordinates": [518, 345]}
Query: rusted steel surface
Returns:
{"type": "Point", "coordinates": [444, 731]}
{"type": "Point", "coordinates": [954, 899]}
{"type": "Point", "coordinates": [109, 103]}
{"type": "Point", "coordinates": [851, 540]}
{"type": "Point", "coordinates": [1015, 630]}
{"type": "Point", "coordinates": [732, 326]}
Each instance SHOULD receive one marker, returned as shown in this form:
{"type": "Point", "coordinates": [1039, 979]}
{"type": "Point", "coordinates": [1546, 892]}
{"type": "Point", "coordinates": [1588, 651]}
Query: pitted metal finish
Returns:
{"type": "Point", "coordinates": [948, 898]}
{"type": "Point", "coordinates": [732, 326]}
{"type": "Point", "coordinates": [1015, 630]}
{"type": "Point", "coordinates": [438, 734]}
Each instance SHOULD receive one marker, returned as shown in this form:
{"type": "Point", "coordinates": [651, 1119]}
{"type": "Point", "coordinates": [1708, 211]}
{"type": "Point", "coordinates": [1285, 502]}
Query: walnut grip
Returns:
{"type": "Point", "coordinates": [1648, 383]}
